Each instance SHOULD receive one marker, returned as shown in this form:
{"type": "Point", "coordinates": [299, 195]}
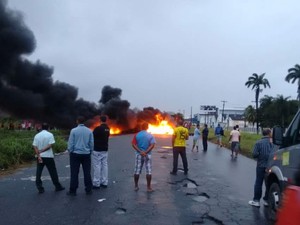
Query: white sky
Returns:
{"type": "Point", "coordinates": [168, 54]}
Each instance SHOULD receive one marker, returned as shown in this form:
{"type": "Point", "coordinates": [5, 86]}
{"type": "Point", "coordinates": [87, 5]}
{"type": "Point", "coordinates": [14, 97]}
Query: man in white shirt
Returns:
{"type": "Point", "coordinates": [196, 138]}
{"type": "Point", "coordinates": [42, 144]}
{"type": "Point", "coordinates": [235, 138]}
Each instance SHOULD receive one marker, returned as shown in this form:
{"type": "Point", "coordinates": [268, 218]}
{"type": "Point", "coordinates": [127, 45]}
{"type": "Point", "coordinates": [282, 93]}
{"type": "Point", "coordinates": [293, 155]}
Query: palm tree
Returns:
{"type": "Point", "coordinates": [281, 104]}
{"type": "Point", "coordinates": [256, 81]}
{"type": "Point", "coordinates": [250, 114]}
{"type": "Point", "coordinates": [293, 75]}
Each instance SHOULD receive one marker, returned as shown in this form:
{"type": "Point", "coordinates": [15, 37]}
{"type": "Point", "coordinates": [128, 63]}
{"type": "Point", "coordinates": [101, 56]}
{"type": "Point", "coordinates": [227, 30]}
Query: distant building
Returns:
{"type": "Point", "coordinates": [208, 114]}
{"type": "Point", "coordinates": [232, 117]}
{"type": "Point", "coordinates": [212, 115]}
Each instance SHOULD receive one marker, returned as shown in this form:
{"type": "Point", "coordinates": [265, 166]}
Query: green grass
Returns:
{"type": "Point", "coordinates": [16, 146]}
{"type": "Point", "coordinates": [247, 141]}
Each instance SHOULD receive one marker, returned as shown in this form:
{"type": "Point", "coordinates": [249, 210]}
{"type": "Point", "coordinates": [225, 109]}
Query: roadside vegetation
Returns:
{"type": "Point", "coordinates": [16, 146]}
{"type": "Point", "coordinates": [247, 141]}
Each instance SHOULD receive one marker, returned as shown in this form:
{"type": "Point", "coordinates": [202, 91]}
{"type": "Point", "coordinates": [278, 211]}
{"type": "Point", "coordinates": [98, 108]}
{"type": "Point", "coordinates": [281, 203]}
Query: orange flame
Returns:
{"type": "Point", "coordinates": [162, 128]}
{"type": "Point", "coordinates": [112, 130]}
{"type": "Point", "coordinates": [115, 130]}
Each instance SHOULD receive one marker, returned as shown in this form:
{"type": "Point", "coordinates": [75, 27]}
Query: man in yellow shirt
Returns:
{"type": "Point", "coordinates": [180, 135]}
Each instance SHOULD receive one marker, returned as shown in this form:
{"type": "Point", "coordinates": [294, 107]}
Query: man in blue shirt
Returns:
{"type": "Point", "coordinates": [219, 132]}
{"type": "Point", "coordinates": [143, 143]}
{"type": "Point", "coordinates": [80, 147]}
{"type": "Point", "coordinates": [261, 151]}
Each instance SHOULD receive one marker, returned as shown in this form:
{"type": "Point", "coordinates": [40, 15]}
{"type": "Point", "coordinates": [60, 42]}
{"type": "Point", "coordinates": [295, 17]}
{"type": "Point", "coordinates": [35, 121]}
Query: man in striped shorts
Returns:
{"type": "Point", "coordinates": [143, 143]}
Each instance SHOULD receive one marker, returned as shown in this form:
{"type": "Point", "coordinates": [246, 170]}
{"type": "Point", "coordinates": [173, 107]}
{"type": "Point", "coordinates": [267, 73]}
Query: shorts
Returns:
{"type": "Point", "coordinates": [196, 141]}
{"type": "Point", "coordinates": [235, 146]}
{"type": "Point", "coordinates": [140, 161]}
{"type": "Point", "coordinates": [219, 137]}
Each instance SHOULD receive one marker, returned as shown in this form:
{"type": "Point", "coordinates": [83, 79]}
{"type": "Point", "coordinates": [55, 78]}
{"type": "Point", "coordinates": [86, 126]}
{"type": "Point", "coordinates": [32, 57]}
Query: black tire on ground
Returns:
{"type": "Point", "coordinates": [274, 200]}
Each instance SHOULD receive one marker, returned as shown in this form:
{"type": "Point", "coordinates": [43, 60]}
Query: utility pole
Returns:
{"type": "Point", "coordinates": [223, 109]}
{"type": "Point", "coordinates": [191, 115]}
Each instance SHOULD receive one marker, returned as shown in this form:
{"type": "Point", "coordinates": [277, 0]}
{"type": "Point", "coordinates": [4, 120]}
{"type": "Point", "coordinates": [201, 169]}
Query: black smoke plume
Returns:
{"type": "Point", "coordinates": [27, 89]}
{"type": "Point", "coordinates": [116, 109]}
{"type": "Point", "coordinates": [121, 116]}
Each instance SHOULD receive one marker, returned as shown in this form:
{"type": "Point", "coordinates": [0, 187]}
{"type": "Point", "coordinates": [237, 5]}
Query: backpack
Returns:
{"type": "Point", "coordinates": [221, 131]}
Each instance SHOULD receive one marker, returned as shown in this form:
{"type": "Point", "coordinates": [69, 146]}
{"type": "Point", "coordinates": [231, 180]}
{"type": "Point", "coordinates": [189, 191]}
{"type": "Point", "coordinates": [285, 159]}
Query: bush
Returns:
{"type": "Point", "coordinates": [16, 146]}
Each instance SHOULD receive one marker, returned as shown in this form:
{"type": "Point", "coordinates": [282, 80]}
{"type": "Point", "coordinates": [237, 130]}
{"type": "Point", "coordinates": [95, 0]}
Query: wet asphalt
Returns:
{"type": "Point", "coordinates": [215, 191]}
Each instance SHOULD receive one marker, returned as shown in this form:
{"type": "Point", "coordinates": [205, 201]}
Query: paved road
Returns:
{"type": "Point", "coordinates": [216, 191]}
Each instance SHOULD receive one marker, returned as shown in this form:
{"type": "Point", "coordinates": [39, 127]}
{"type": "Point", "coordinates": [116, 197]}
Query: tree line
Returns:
{"type": "Point", "coordinates": [270, 111]}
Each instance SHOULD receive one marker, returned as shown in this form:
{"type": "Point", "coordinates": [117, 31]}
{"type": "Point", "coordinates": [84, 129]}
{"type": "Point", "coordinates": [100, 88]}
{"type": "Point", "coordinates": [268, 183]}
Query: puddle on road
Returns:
{"type": "Point", "coordinates": [120, 211]}
{"type": "Point", "coordinates": [208, 220]}
{"type": "Point", "coordinates": [202, 197]}
{"type": "Point", "coordinates": [190, 185]}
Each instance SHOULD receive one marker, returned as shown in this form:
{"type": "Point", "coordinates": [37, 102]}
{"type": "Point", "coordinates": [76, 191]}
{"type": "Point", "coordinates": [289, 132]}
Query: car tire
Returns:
{"type": "Point", "coordinates": [274, 200]}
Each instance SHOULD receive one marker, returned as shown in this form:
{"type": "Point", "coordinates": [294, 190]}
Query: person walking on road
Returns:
{"type": "Point", "coordinates": [205, 132]}
{"type": "Point", "coordinates": [143, 143]}
{"type": "Point", "coordinates": [100, 154]}
{"type": "Point", "coordinates": [180, 135]}
{"type": "Point", "coordinates": [235, 139]}
{"type": "Point", "coordinates": [80, 147]}
{"type": "Point", "coordinates": [261, 151]}
{"type": "Point", "coordinates": [219, 132]}
{"type": "Point", "coordinates": [196, 138]}
{"type": "Point", "coordinates": [42, 144]}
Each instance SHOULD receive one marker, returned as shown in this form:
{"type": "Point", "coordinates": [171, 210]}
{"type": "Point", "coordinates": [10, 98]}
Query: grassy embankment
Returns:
{"type": "Point", "coordinates": [247, 141]}
{"type": "Point", "coordinates": [16, 147]}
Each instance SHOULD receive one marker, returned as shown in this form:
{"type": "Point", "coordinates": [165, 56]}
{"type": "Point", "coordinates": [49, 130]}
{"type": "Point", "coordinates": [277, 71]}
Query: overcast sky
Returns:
{"type": "Point", "coordinates": [169, 54]}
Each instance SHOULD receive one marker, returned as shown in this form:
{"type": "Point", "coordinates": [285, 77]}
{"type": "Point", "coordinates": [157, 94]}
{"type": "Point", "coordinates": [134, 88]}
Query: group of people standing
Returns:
{"type": "Point", "coordinates": [90, 149]}
{"type": "Point", "coordinates": [197, 137]}
{"type": "Point", "coordinates": [86, 148]}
